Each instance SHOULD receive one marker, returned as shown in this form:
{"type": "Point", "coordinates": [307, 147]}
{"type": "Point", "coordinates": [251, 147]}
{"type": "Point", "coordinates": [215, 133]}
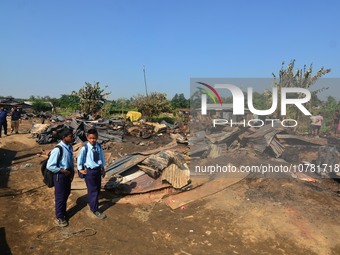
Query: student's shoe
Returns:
{"type": "Point", "coordinates": [99, 215]}
{"type": "Point", "coordinates": [61, 223]}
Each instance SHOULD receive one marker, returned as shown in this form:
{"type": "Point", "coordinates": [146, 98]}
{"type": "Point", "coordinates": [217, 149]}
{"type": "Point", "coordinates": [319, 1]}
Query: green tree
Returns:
{"type": "Point", "coordinates": [179, 101]}
{"type": "Point", "coordinates": [107, 108]}
{"type": "Point", "coordinates": [151, 105]}
{"type": "Point", "coordinates": [259, 100]}
{"type": "Point", "coordinates": [195, 100]}
{"type": "Point", "coordinates": [297, 78]}
{"type": "Point", "coordinates": [328, 109]}
{"type": "Point", "coordinates": [69, 102]}
{"type": "Point", "coordinates": [40, 105]}
{"type": "Point", "coordinates": [91, 97]}
{"type": "Point", "coordinates": [122, 104]}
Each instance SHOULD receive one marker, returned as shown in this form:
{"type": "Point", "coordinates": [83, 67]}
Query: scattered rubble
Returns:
{"type": "Point", "coordinates": [166, 170]}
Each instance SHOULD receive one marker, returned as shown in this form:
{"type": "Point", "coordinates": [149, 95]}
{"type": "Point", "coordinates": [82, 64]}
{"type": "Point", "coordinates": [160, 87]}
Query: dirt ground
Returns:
{"type": "Point", "coordinates": [253, 216]}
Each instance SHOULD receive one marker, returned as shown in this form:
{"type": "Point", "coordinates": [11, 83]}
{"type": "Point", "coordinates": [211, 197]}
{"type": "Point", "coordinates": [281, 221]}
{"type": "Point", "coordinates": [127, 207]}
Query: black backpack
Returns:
{"type": "Point", "coordinates": [47, 174]}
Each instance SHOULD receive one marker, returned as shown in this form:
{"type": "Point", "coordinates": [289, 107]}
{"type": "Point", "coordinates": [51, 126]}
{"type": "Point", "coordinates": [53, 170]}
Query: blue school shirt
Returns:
{"type": "Point", "coordinates": [88, 160]}
{"type": "Point", "coordinates": [66, 161]}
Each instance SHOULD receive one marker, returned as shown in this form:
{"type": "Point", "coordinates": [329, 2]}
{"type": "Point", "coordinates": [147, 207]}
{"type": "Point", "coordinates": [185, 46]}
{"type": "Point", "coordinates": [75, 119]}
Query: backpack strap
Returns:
{"type": "Point", "coordinates": [61, 152]}
{"type": "Point", "coordinates": [86, 150]}
{"type": "Point", "coordinates": [60, 156]}
{"type": "Point", "coordinates": [100, 146]}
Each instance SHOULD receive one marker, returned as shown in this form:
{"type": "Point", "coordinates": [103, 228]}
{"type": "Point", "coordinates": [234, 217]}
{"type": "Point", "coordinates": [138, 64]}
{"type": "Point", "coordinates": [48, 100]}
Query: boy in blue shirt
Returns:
{"type": "Point", "coordinates": [91, 162]}
{"type": "Point", "coordinates": [63, 172]}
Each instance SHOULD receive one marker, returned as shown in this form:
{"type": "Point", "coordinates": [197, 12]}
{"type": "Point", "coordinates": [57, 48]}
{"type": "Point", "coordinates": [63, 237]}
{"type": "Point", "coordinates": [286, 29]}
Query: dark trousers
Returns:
{"type": "Point", "coordinates": [62, 189]}
{"type": "Point", "coordinates": [3, 124]}
{"type": "Point", "coordinates": [93, 183]}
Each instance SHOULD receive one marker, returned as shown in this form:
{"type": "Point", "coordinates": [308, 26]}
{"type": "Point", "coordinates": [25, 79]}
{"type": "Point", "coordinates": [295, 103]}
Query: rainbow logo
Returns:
{"type": "Point", "coordinates": [209, 93]}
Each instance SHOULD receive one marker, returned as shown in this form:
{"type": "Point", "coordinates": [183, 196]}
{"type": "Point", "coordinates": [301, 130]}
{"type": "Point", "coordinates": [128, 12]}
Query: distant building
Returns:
{"type": "Point", "coordinates": [10, 102]}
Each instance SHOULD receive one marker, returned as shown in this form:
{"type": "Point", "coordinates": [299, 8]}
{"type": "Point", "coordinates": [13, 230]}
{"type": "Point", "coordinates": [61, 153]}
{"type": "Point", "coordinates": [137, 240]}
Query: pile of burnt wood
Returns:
{"type": "Point", "coordinates": [149, 170]}
{"type": "Point", "coordinates": [272, 140]}
{"type": "Point", "coordinates": [109, 130]}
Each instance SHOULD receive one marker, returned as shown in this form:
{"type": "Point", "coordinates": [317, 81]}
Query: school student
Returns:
{"type": "Point", "coordinates": [91, 162]}
{"type": "Point", "coordinates": [63, 173]}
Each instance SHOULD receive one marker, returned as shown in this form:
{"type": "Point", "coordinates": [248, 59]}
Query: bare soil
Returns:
{"type": "Point", "coordinates": [253, 216]}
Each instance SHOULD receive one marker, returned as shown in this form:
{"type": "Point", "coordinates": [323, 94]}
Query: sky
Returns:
{"type": "Point", "coordinates": [52, 47]}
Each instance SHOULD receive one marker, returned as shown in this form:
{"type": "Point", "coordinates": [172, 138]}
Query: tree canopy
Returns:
{"type": "Point", "coordinates": [298, 78]}
{"type": "Point", "coordinates": [179, 101]}
{"type": "Point", "coordinates": [151, 105]}
{"type": "Point", "coordinates": [91, 97]}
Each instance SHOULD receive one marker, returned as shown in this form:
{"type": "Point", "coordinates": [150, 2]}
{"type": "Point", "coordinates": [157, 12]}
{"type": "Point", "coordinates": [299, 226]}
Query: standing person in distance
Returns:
{"type": "Point", "coordinates": [3, 120]}
{"type": "Point", "coordinates": [15, 119]}
{"type": "Point", "coordinates": [63, 173]}
{"type": "Point", "coordinates": [336, 123]}
{"type": "Point", "coordinates": [91, 163]}
{"type": "Point", "coordinates": [316, 124]}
